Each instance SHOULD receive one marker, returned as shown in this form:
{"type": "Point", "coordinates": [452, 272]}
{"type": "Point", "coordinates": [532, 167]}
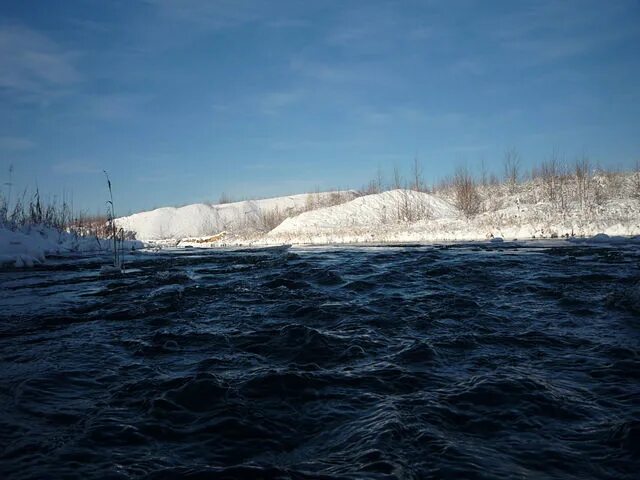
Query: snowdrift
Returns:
{"type": "Point", "coordinates": [409, 216]}
{"type": "Point", "coordinates": [29, 245]}
{"type": "Point", "coordinates": [202, 220]}
{"type": "Point", "coordinates": [370, 212]}
{"type": "Point", "coordinates": [610, 205]}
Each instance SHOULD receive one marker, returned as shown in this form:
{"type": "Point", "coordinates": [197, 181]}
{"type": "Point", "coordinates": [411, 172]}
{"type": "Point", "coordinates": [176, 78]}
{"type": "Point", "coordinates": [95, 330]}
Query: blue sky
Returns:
{"type": "Point", "coordinates": [181, 100]}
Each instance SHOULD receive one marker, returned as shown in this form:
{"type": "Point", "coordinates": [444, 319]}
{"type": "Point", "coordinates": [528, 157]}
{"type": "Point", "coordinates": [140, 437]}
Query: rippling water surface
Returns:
{"type": "Point", "coordinates": [465, 361]}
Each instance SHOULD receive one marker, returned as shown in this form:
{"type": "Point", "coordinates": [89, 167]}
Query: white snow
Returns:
{"type": "Point", "coordinates": [19, 249]}
{"type": "Point", "coordinates": [363, 220]}
{"type": "Point", "coordinates": [523, 214]}
{"type": "Point", "coordinates": [203, 220]}
{"type": "Point", "coordinates": [369, 212]}
{"type": "Point", "coordinates": [401, 216]}
{"type": "Point", "coordinates": [611, 214]}
{"type": "Point", "coordinates": [30, 245]}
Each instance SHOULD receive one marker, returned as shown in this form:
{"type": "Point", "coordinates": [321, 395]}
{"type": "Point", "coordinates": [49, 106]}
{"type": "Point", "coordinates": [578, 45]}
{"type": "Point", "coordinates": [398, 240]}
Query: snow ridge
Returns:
{"type": "Point", "coordinates": [200, 219]}
{"type": "Point", "coordinates": [370, 211]}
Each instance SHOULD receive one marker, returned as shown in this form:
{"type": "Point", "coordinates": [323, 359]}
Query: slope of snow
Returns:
{"type": "Point", "coordinates": [610, 205]}
{"type": "Point", "coordinates": [371, 219]}
{"type": "Point", "coordinates": [30, 245]}
{"type": "Point", "coordinates": [369, 212]}
{"type": "Point", "coordinates": [201, 220]}
{"type": "Point", "coordinates": [19, 249]}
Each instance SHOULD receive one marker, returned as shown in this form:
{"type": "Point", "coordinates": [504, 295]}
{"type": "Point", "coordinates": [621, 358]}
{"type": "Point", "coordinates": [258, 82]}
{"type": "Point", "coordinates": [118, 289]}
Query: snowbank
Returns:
{"type": "Point", "coordinates": [371, 219]}
{"type": "Point", "coordinates": [524, 212]}
{"type": "Point", "coordinates": [369, 212]}
{"type": "Point", "coordinates": [202, 220]}
{"type": "Point", "coordinates": [19, 249]}
{"type": "Point", "coordinates": [30, 245]}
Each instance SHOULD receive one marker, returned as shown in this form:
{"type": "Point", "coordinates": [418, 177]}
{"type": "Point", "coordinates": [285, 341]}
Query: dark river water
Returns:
{"type": "Point", "coordinates": [460, 361]}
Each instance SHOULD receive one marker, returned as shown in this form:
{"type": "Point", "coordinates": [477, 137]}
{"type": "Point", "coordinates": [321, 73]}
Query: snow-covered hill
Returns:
{"type": "Point", "coordinates": [365, 220]}
{"type": "Point", "coordinates": [607, 203]}
{"type": "Point", "coordinates": [370, 212]}
{"type": "Point", "coordinates": [246, 217]}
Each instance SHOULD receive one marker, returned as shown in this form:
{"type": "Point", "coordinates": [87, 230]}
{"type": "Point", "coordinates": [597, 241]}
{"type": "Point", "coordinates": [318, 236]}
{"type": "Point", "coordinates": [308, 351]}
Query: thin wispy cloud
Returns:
{"type": "Point", "coordinates": [33, 66]}
{"type": "Point", "coordinates": [116, 106]}
{"type": "Point", "coordinates": [557, 31]}
{"type": "Point", "coordinates": [273, 103]}
{"type": "Point", "coordinates": [323, 71]}
{"type": "Point", "coordinates": [168, 85]}
{"type": "Point", "coordinates": [16, 144]}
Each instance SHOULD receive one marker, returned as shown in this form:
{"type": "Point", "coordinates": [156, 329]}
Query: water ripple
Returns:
{"type": "Point", "coordinates": [451, 361]}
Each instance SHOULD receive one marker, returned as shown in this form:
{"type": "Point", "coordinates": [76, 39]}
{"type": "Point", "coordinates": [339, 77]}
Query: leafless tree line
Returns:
{"type": "Point", "coordinates": [578, 184]}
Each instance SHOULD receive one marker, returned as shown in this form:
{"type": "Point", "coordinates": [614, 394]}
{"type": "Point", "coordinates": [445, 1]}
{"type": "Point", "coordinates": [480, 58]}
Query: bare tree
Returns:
{"type": "Point", "coordinates": [375, 185]}
{"type": "Point", "coordinates": [582, 172]}
{"type": "Point", "coordinates": [511, 168]}
{"type": "Point", "coordinates": [483, 173]}
{"type": "Point", "coordinates": [549, 171]}
{"type": "Point", "coordinates": [224, 198]}
{"type": "Point", "coordinates": [270, 219]}
{"type": "Point", "coordinates": [379, 180]}
{"type": "Point", "coordinates": [416, 174]}
{"type": "Point", "coordinates": [371, 187]}
{"type": "Point", "coordinates": [310, 202]}
{"type": "Point", "coordinates": [563, 187]}
{"type": "Point", "coordinates": [411, 207]}
{"type": "Point", "coordinates": [397, 178]}
{"type": "Point", "coordinates": [467, 198]}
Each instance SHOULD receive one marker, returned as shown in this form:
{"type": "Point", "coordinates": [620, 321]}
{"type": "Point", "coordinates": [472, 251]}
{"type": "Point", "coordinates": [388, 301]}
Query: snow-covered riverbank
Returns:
{"type": "Point", "coordinates": [609, 208]}
{"type": "Point", "coordinates": [365, 220]}
{"type": "Point", "coordinates": [27, 246]}
{"type": "Point", "coordinates": [608, 204]}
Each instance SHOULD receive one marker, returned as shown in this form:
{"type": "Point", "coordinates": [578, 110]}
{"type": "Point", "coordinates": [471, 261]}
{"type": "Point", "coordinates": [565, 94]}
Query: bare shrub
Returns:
{"type": "Point", "coordinates": [312, 201]}
{"type": "Point", "coordinates": [270, 219]}
{"type": "Point", "coordinates": [535, 172]}
{"type": "Point", "coordinates": [397, 178]}
{"type": "Point", "coordinates": [336, 198]}
{"type": "Point", "coordinates": [556, 180]}
{"type": "Point", "coordinates": [374, 186]}
{"type": "Point", "coordinates": [467, 198]}
{"type": "Point", "coordinates": [614, 184]}
{"type": "Point", "coordinates": [484, 177]}
{"type": "Point", "coordinates": [562, 201]}
{"type": "Point", "coordinates": [317, 200]}
{"type": "Point", "coordinates": [416, 175]}
{"type": "Point", "coordinates": [582, 174]}
{"type": "Point", "coordinates": [267, 220]}
{"type": "Point", "coordinates": [443, 184]}
{"type": "Point", "coordinates": [511, 168]}
{"type": "Point", "coordinates": [91, 225]}
{"type": "Point", "coordinates": [549, 172]}
{"type": "Point", "coordinates": [225, 198]}
{"type": "Point", "coordinates": [379, 180]}
{"type": "Point", "coordinates": [411, 208]}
